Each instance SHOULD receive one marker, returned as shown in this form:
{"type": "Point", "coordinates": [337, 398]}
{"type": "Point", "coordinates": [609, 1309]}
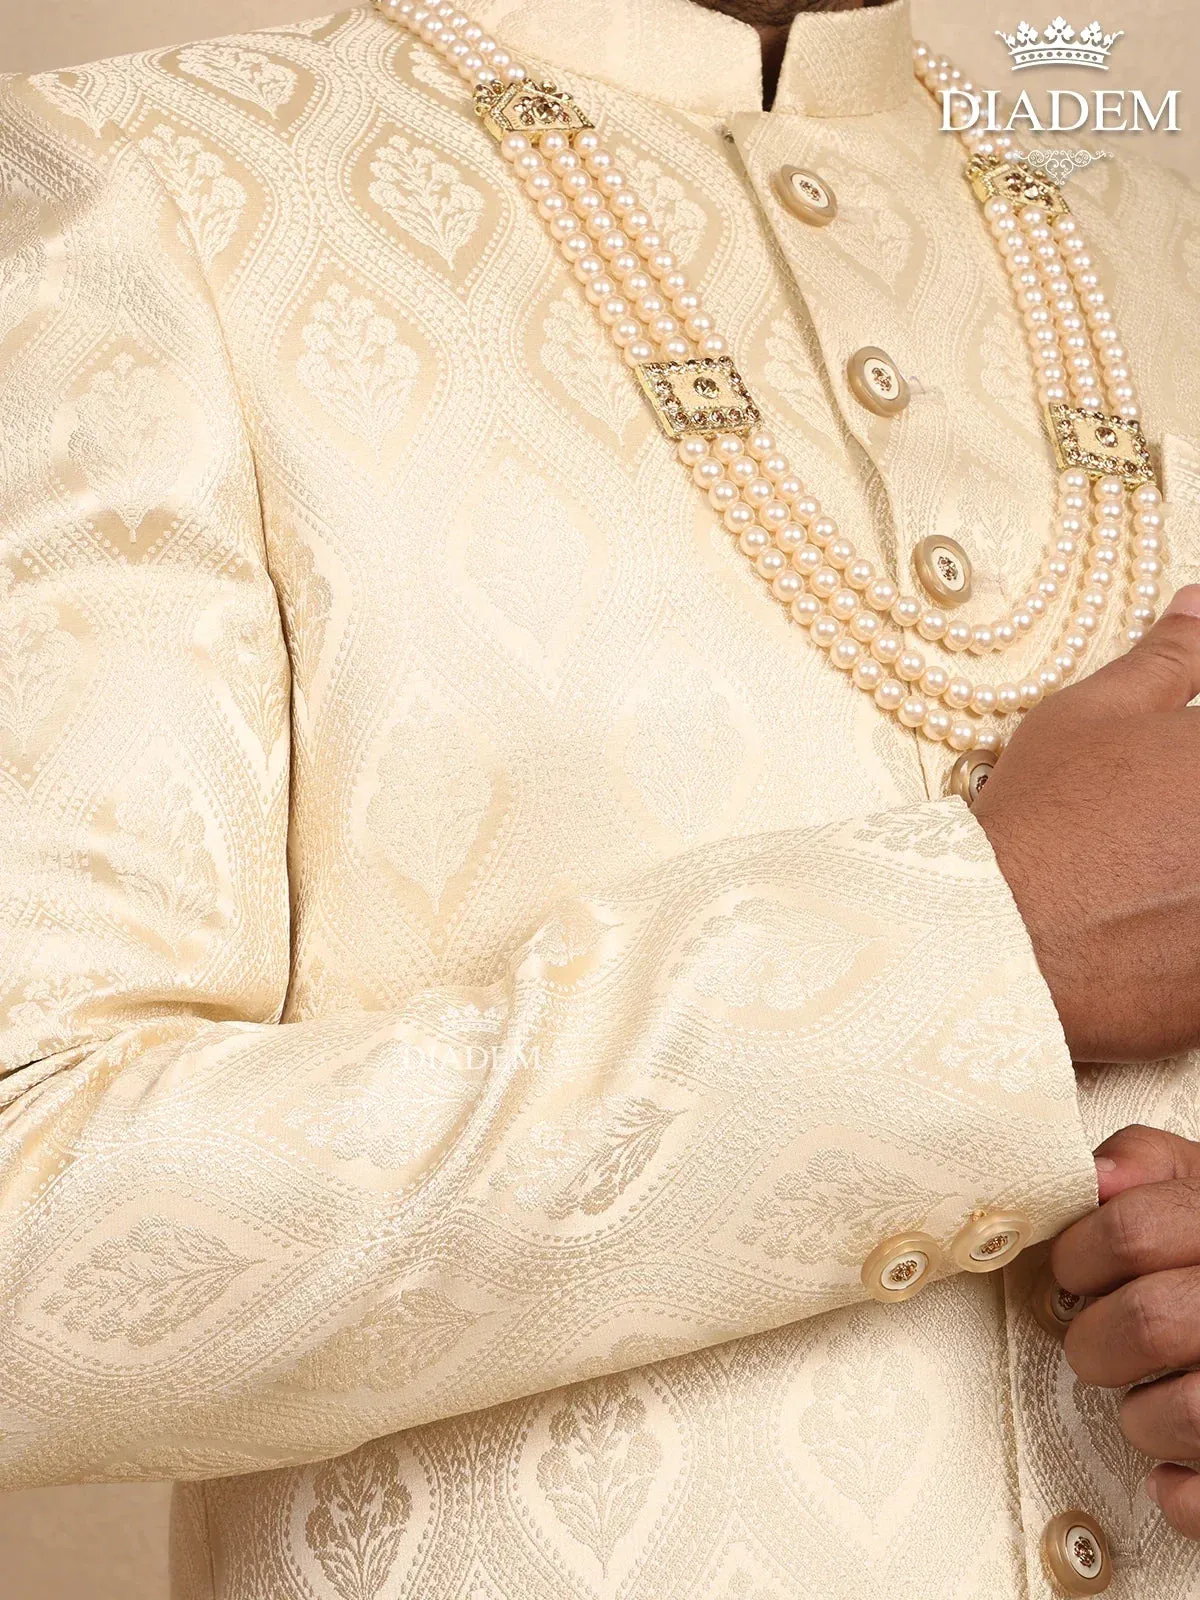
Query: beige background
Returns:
{"type": "Point", "coordinates": [109, 1542]}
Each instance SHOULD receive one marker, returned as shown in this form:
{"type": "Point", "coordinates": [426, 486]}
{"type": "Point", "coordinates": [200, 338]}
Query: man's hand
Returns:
{"type": "Point", "coordinates": [1140, 1253]}
{"type": "Point", "coordinates": [1094, 815]}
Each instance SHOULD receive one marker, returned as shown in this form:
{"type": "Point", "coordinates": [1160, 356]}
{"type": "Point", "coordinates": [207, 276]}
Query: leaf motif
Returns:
{"type": "Point", "coordinates": [772, 955]}
{"type": "Point", "coordinates": [426, 196]}
{"type": "Point", "coordinates": [584, 362]}
{"type": "Point", "coordinates": [527, 556]}
{"type": "Point", "coordinates": [130, 440]}
{"type": "Point", "coordinates": [356, 366]}
{"type": "Point", "coordinates": [837, 1207]}
{"type": "Point", "coordinates": [394, 1342]}
{"type": "Point", "coordinates": [159, 854]}
{"type": "Point", "coordinates": [355, 1528]}
{"type": "Point", "coordinates": [247, 74]}
{"type": "Point", "coordinates": [146, 1285]}
{"type": "Point", "coordinates": [396, 1107]}
{"type": "Point", "coordinates": [866, 1423]}
{"type": "Point", "coordinates": [585, 1165]}
{"type": "Point", "coordinates": [598, 1472]}
{"type": "Point", "coordinates": [996, 1043]}
{"type": "Point", "coordinates": [685, 749]}
{"type": "Point", "coordinates": [211, 201]}
{"type": "Point", "coordinates": [37, 658]}
{"type": "Point", "coordinates": [426, 827]}
{"type": "Point", "coordinates": [86, 93]}
{"type": "Point", "coordinates": [307, 603]}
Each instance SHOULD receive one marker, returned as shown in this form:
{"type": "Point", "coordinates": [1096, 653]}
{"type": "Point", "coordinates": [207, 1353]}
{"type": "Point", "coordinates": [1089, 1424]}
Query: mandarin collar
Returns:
{"type": "Point", "coordinates": [836, 64]}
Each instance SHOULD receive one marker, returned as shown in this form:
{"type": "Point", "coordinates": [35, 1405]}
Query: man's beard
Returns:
{"type": "Point", "coordinates": [775, 13]}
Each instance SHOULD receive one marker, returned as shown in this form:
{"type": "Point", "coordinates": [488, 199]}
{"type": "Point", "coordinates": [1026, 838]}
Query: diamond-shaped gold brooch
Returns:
{"type": "Point", "coordinates": [1102, 446]}
{"type": "Point", "coordinates": [1016, 182]}
{"type": "Point", "coordinates": [706, 395]}
{"type": "Point", "coordinates": [529, 108]}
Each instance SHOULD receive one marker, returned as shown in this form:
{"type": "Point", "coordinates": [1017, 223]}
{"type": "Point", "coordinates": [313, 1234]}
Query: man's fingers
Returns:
{"type": "Point", "coordinates": [1139, 1154]}
{"type": "Point", "coordinates": [1177, 1491]}
{"type": "Point", "coordinates": [1146, 1328]}
{"type": "Point", "coordinates": [1162, 673]}
{"type": "Point", "coordinates": [1163, 1419]}
{"type": "Point", "coordinates": [1146, 1229]}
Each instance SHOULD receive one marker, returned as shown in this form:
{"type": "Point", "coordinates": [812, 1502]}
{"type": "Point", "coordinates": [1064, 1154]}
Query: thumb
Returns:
{"type": "Point", "coordinates": [1140, 1155]}
{"type": "Point", "coordinates": [1162, 672]}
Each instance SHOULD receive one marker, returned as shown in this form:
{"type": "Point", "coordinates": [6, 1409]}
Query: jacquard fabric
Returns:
{"type": "Point", "coordinates": [461, 939]}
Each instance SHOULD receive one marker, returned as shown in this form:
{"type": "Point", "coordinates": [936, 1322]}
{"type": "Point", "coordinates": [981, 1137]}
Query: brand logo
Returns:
{"type": "Point", "coordinates": [1060, 110]}
{"type": "Point", "coordinates": [1060, 45]}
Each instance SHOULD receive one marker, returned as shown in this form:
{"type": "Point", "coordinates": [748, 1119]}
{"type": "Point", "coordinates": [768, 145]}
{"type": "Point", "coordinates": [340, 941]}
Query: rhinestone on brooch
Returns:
{"type": "Point", "coordinates": [1102, 446]}
{"type": "Point", "coordinates": [706, 396]}
{"type": "Point", "coordinates": [1016, 182]}
{"type": "Point", "coordinates": [529, 108]}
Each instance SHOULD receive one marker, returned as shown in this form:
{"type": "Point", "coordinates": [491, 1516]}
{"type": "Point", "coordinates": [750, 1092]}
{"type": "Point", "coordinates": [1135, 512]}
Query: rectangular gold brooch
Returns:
{"type": "Point", "coordinates": [1102, 446]}
{"type": "Point", "coordinates": [529, 108]}
{"type": "Point", "coordinates": [1016, 182]}
{"type": "Point", "coordinates": [706, 395]}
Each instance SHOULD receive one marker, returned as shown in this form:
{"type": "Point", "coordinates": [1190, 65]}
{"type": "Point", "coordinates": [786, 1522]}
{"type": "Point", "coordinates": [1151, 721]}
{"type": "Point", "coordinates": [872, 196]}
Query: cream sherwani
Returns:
{"type": "Point", "coordinates": [477, 982]}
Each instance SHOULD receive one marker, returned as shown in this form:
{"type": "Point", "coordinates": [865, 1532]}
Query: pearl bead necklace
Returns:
{"type": "Point", "coordinates": [1107, 538]}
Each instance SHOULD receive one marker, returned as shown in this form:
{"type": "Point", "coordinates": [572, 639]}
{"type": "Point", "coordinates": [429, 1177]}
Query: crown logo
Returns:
{"type": "Point", "coordinates": [1060, 45]}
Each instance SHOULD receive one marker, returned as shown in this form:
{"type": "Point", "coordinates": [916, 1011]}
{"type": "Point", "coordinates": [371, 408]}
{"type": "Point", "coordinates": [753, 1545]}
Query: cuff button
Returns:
{"type": "Point", "coordinates": [1055, 1308]}
{"type": "Point", "coordinates": [990, 1240]}
{"type": "Point", "coordinates": [900, 1267]}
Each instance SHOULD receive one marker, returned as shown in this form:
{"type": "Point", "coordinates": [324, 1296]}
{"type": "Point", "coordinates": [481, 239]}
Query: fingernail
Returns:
{"type": "Point", "coordinates": [1185, 602]}
{"type": "Point", "coordinates": [1105, 1164]}
{"type": "Point", "coordinates": [1152, 1488]}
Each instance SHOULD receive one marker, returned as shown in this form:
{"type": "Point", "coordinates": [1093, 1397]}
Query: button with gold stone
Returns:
{"type": "Point", "coordinates": [900, 1267]}
{"type": "Point", "coordinates": [970, 772]}
{"type": "Point", "coordinates": [877, 382]}
{"type": "Point", "coordinates": [805, 195]}
{"type": "Point", "coordinates": [1053, 1307]}
{"type": "Point", "coordinates": [991, 1239]}
{"type": "Point", "coordinates": [1076, 1554]}
{"type": "Point", "coordinates": [944, 569]}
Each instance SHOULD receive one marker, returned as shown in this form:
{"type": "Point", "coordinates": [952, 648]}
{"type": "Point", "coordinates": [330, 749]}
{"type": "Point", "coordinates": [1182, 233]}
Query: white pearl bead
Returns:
{"type": "Point", "coordinates": [806, 608]}
{"type": "Point", "coordinates": [889, 695]}
{"type": "Point", "coordinates": [957, 694]}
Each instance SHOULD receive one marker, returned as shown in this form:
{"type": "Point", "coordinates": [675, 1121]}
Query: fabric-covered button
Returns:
{"type": "Point", "coordinates": [900, 1267]}
{"type": "Point", "coordinates": [944, 569]}
{"type": "Point", "coordinates": [970, 772]}
{"type": "Point", "coordinates": [990, 1240]}
{"type": "Point", "coordinates": [876, 381]}
{"type": "Point", "coordinates": [1076, 1554]}
{"type": "Point", "coordinates": [806, 196]}
{"type": "Point", "coordinates": [1055, 1308]}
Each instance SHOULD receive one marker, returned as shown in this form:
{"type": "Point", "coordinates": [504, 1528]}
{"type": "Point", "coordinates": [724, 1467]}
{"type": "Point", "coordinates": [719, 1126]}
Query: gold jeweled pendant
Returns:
{"type": "Point", "coordinates": [529, 108]}
{"type": "Point", "coordinates": [706, 395]}
{"type": "Point", "coordinates": [1103, 446]}
{"type": "Point", "coordinates": [1016, 182]}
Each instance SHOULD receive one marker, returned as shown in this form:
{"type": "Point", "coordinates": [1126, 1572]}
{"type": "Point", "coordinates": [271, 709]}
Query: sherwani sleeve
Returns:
{"type": "Point", "coordinates": [683, 1109]}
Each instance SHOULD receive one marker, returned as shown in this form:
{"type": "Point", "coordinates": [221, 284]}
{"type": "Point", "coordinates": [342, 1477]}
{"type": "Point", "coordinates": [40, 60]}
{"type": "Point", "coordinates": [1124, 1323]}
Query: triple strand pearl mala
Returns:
{"type": "Point", "coordinates": [1106, 546]}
